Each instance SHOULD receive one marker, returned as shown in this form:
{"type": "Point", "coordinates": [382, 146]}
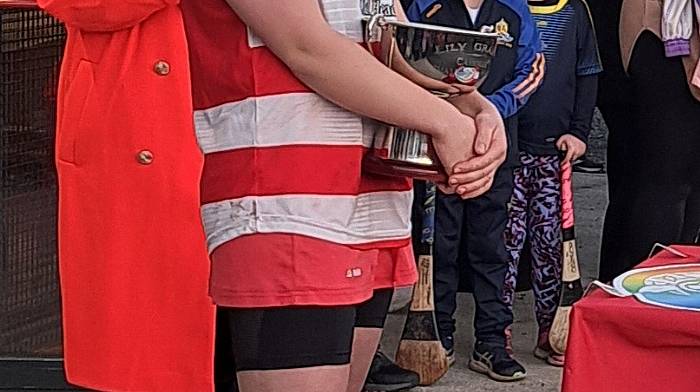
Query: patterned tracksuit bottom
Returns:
{"type": "Point", "coordinates": [535, 214]}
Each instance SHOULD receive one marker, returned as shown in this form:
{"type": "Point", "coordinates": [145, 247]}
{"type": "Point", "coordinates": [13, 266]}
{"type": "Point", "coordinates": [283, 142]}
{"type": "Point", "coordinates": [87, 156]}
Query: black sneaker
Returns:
{"type": "Point", "coordinates": [386, 376]}
{"type": "Point", "coordinates": [448, 343]}
{"type": "Point", "coordinates": [496, 363]}
{"type": "Point", "coordinates": [585, 165]}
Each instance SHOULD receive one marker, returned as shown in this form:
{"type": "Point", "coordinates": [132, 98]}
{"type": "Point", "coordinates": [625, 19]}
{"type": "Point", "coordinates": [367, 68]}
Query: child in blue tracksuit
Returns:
{"type": "Point", "coordinates": [472, 231]}
{"type": "Point", "coordinates": [557, 118]}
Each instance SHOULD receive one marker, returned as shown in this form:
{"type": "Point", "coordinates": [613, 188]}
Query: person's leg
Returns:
{"type": "Point", "coordinates": [369, 321]}
{"type": "Point", "coordinates": [292, 349]}
{"type": "Point", "coordinates": [516, 232]}
{"type": "Point", "coordinates": [449, 218]}
{"type": "Point", "coordinates": [544, 226]}
{"type": "Point", "coordinates": [224, 362]}
{"type": "Point", "coordinates": [398, 309]}
{"type": "Point", "coordinates": [616, 102]}
{"type": "Point", "coordinates": [691, 224]}
{"type": "Point", "coordinates": [515, 237]}
{"type": "Point", "coordinates": [486, 252]}
{"type": "Point", "coordinates": [384, 374]}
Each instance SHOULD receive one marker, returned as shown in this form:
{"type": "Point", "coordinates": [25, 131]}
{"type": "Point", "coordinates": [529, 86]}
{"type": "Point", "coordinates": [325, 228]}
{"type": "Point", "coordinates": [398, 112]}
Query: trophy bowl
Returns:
{"type": "Point", "coordinates": [434, 57]}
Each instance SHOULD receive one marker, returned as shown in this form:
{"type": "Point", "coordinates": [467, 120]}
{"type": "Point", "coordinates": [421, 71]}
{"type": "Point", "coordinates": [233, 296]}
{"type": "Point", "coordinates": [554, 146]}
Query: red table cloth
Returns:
{"type": "Point", "coordinates": [621, 344]}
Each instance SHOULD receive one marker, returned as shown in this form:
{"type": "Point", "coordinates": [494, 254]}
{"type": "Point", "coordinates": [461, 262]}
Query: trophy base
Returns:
{"type": "Point", "coordinates": [388, 167]}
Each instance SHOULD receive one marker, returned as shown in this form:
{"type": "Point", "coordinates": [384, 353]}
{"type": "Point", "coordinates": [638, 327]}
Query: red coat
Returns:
{"type": "Point", "coordinates": [133, 262]}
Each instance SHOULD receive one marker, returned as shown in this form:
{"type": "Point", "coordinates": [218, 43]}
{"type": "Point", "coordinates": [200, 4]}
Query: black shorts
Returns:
{"type": "Point", "coordinates": [296, 337]}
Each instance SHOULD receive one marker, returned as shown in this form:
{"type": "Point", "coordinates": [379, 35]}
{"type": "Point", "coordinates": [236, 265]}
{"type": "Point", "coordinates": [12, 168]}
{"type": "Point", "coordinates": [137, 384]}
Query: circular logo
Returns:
{"type": "Point", "coordinates": [671, 286]}
{"type": "Point", "coordinates": [467, 75]}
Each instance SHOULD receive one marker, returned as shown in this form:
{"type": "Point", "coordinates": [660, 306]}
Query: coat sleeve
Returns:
{"type": "Point", "coordinates": [103, 15]}
{"type": "Point", "coordinates": [677, 27]}
{"type": "Point", "coordinates": [505, 98]}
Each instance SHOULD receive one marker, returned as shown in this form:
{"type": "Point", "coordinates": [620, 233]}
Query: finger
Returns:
{"type": "Point", "coordinates": [463, 88]}
{"type": "Point", "coordinates": [475, 164]}
{"type": "Point", "coordinates": [475, 176]}
{"type": "Point", "coordinates": [495, 155]}
{"type": "Point", "coordinates": [476, 189]}
{"type": "Point", "coordinates": [446, 189]}
{"type": "Point", "coordinates": [569, 155]}
{"type": "Point", "coordinates": [563, 145]}
{"type": "Point", "coordinates": [485, 128]}
{"type": "Point", "coordinates": [560, 145]}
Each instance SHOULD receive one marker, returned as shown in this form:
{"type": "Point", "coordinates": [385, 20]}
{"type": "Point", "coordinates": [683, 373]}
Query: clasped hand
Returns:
{"type": "Point", "coordinates": [471, 173]}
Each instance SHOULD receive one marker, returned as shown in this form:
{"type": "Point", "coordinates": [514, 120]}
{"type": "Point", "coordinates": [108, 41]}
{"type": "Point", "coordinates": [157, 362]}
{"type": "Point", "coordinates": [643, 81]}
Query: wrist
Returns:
{"type": "Point", "coordinates": [446, 123]}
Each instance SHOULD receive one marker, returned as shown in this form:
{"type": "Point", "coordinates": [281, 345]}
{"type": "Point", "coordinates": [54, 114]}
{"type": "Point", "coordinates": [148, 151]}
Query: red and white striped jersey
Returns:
{"type": "Point", "coordinates": [283, 162]}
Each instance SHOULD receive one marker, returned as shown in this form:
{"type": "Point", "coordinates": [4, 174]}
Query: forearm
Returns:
{"type": "Point", "coordinates": [339, 66]}
{"type": "Point", "coordinates": [586, 92]}
{"type": "Point", "coordinates": [341, 70]}
{"type": "Point", "coordinates": [473, 104]}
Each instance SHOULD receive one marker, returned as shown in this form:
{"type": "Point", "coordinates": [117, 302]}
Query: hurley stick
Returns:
{"type": "Point", "coordinates": [420, 349]}
{"type": "Point", "coordinates": [571, 290]}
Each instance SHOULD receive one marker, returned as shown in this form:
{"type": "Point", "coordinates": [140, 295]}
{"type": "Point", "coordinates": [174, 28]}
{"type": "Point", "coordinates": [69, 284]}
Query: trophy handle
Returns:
{"type": "Point", "coordinates": [373, 33]}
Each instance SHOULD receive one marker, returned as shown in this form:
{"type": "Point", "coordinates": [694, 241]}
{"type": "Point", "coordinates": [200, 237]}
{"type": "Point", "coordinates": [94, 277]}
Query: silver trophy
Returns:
{"type": "Point", "coordinates": [425, 54]}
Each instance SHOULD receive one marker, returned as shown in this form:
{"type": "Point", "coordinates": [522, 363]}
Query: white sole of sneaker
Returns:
{"type": "Point", "coordinates": [483, 369]}
{"type": "Point", "coordinates": [451, 359]}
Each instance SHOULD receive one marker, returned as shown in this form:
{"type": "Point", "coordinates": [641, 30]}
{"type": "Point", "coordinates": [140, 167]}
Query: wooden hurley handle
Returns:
{"type": "Point", "coordinates": [423, 292]}
{"type": "Point", "coordinates": [559, 334]}
{"type": "Point", "coordinates": [570, 268]}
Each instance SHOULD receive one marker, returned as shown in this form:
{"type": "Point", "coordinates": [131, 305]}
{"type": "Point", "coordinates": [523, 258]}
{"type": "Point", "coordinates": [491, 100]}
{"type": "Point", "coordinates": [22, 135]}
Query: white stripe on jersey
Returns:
{"type": "Point", "coordinates": [349, 220]}
{"type": "Point", "coordinates": [278, 120]}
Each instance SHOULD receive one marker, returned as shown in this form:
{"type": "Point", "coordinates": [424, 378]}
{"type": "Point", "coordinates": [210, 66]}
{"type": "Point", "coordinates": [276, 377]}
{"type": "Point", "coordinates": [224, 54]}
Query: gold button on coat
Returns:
{"type": "Point", "coordinates": [145, 157]}
{"type": "Point", "coordinates": [161, 68]}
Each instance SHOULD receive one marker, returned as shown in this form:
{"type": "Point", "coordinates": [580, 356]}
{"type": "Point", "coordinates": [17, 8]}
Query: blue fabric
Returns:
{"type": "Point", "coordinates": [418, 7]}
{"type": "Point", "coordinates": [565, 102]}
{"type": "Point", "coordinates": [529, 45]}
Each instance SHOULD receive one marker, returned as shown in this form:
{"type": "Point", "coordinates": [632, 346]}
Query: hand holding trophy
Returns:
{"type": "Point", "coordinates": [451, 63]}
